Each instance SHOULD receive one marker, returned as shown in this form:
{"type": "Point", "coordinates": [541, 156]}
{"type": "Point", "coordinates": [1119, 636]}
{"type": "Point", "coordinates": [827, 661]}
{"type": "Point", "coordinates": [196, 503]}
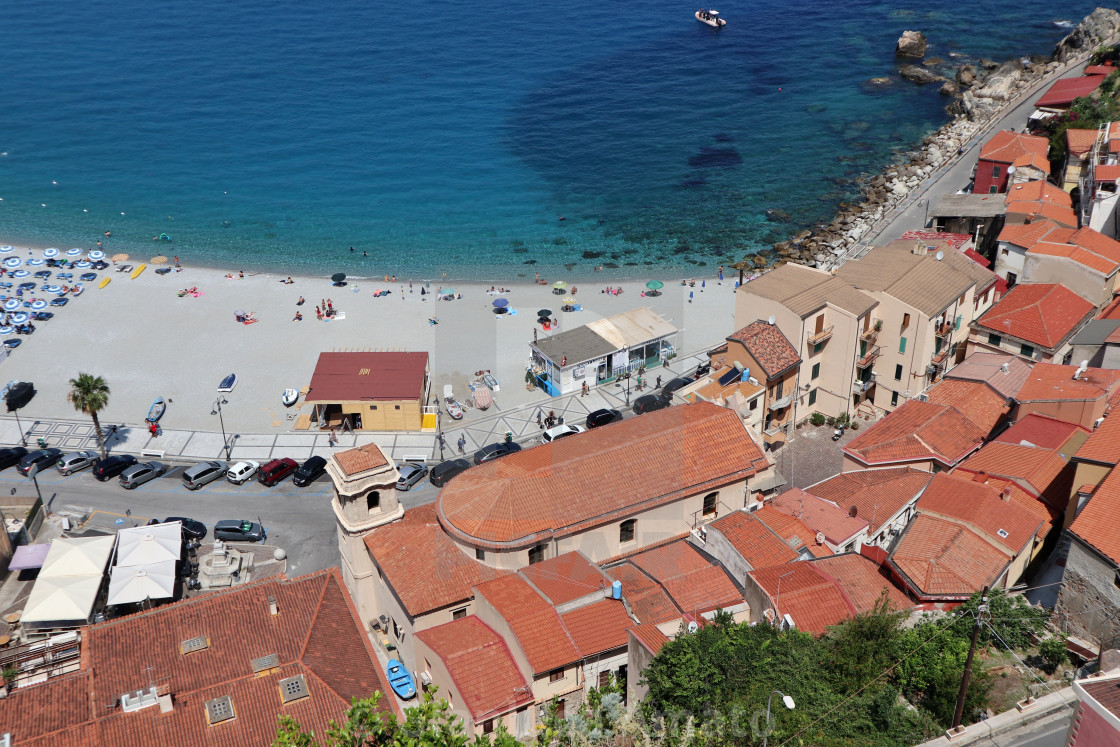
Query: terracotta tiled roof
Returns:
{"type": "Point", "coordinates": [1043, 314]}
{"type": "Point", "coordinates": [316, 633]}
{"type": "Point", "coordinates": [1040, 430]}
{"type": "Point", "coordinates": [820, 515]}
{"type": "Point", "coordinates": [1035, 160]}
{"type": "Point", "coordinates": [1034, 468]}
{"type": "Point", "coordinates": [650, 637]}
{"type": "Point", "coordinates": [1051, 382]}
{"type": "Point", "coordinates": [439, 576]}
{"type": "Point", "coordinates": [793, 530]}
{"type": "Point", "coordinates": [944, 239]}
{"type": "Point", "coordinates": [353, 461]}
{"type": "Point", "coordinates": [1076, 254]}
{"type": "Point", "coordinates": [977, 402]}
{"type": "Point", "coordinates": [649, 602]}
{"type": "Point", "coordinates": [766, 343]}
{"type": "Point", "coordinates": [598, 627]}
{"type": "Point", "coordinates": [556, 490]}
{"type": "Point", "coordinates": [946, 559]}
{"type": "Point", "coordinates": [1005, 146]}
{"type": "Point", "coordinates": [1096, 524]}
{"type": "Point", "coordinates": [480, 665]}
{"type": "Point", "coordinates": [862, 580]}
{"type": "Point", "coordinates": [691, 581]}
{"type": "Point", "coordinates": [1035, 209]}
{"type": "Point", "coordinates": [759, 545]}
{"type": "Point", "coordinates": [918, 431]}
{"type": "Point", "coordinates": [959, 499]}
{"type": "Point", "coordinates": [1097, 242]}
{"type": "Point", "coordinates": [535, 623]}
{"type": "Point", "coordinates": [1026, 235]}
{"type": "Point", "coordinates": [988, 368]}
{"type": "Point", "coordinates": [670, 560]}
{"type": "Point", "coordinates": [566, 577]}
{"type": "Point", "coordinates": [1049, 516]}
{"type": "Point", "coordinates": [1080, 142]}
{"type": "Point", "coordinates": [1039, 190]}
{"type": "Point", "coordinates": [1103, 444]}
{"type": "Point", "coordinates": [703, 590]}
{"type": "Point", "coordinates": [1063, 92]}
{"type": "Point", "coordinates": [876, 494]}
{"type": "Point", "coordinates": [1112, 310]}
{"type": "Point", "coordinates": [1106, 173]}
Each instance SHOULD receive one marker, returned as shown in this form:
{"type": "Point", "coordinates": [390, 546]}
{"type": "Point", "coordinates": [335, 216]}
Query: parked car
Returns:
{"type": "Point", "coordinates": [234, 530]}
{"type": "Point", "coordinates": [192, 528]}
{"type": "Point", "coordinates": [60, 302]}
{"type": "Point", "coordinates": [442, 473]}
{"type": "Point", "coordinates": [139, 474]}
{"type": "Point", "coordinates": [650, 402]}
{"type": "Point", "coordinates": [276, 470]}
{"type": "Point", "coordinates": [490, 452]}
{"type": "Point", "coordinates": [603, 417]}
{"type": "Point", "coordinates": [203, 474]}
{"type": "Point", "coordinates": [11, 456]}
{"type": "Point", "coordinates": [42, 457]}
{"type": "Point", "coordinates": [561, 431]}
{"type": "Point", "coordinates": [673, 385]}
{"type": "Point", "coordinates": [112, 466]}
{"type": "Point", "coordinates": [70, 463]}
{"type": "Point", "coordinates": [241, 472]}
{"type": "Point", "coordinates": [410, 474]}
{"type": "Point", "coordinates": [309, 471]}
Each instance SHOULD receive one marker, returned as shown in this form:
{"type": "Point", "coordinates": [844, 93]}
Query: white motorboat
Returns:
{"type": "Point", "coordinates": [710, 17]}
{"type": "Point", "coordinates": [289, 397]}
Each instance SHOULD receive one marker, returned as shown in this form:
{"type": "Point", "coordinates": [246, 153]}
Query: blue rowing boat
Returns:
{"type": "Point", "coordinates": [400, 680]}
{"type": "Point", "coordinates": [156, 411]}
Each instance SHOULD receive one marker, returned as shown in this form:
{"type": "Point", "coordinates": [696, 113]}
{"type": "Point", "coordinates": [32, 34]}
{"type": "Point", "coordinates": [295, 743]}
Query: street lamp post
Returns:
{"type": "Point", "coordinates": [22, 437]}
{"type": "Point", "coordinates": [218, 411]}
{"type": "Point", "coordinates": [787, 700]}
{"type": "Point", "coordinates": [627, 377]}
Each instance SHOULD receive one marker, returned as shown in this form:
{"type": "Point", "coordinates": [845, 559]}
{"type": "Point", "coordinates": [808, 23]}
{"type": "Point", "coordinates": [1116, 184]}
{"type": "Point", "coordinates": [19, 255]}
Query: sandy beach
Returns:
{"type": "Point", "coordinates": [147, 341]}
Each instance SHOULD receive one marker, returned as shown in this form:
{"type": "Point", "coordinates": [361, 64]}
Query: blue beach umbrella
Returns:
{"type": "Point", "coordinates": [20, 274]}
{"type": "Point", "coordinates": [19, 318]}
{"type": "Point", "coordinates": [36, 261]}
{"type": "Point", "coordinates": [38, 304]}
{"type": "Point", "coordinates": [50, 253]}
{"type": "Point", "coordinates": [96, 255]}
{"type": "Point", "coordinates": [6, 330]}
{"type": "Point", "coordinates": [13, 262]}
{"type": "Point", "coordinates": [83, 263]}
{"type": "Point", "coordinates": [7, 249]}
{"type": "Point", "coordinates": [501, 303]}
{"type": "Point", "coordinates": [73, 252]}
{"type": "Point", "coordinates": [52, 288]}
{"type": "Point", "coordinates": [12, 304]}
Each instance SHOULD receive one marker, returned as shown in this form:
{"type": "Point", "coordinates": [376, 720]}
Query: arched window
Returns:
{"type": "Point", "coordinates": [626, 530]}
{"type": "Point", "coordinates": [373, 502]}
{"type": "Point", "coordinates": [711, 501]}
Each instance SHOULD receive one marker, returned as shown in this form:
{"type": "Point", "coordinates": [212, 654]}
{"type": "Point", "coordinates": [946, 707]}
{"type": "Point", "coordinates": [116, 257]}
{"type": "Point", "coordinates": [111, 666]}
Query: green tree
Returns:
{"type": "Point", "coordinates": [1053, 652]}
{"type": "Point", "coordinates": [1010, 620]}
{"type": "Point", "coordinates": [864, 647]}
{"type": "Point", "coordinates": [90, 394]}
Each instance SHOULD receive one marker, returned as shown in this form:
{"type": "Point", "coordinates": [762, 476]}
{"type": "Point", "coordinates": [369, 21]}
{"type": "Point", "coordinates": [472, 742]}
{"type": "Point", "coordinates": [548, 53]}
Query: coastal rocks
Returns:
{"type": "Point", "coordinates": [879, 81]}
{"type": "Point", "coordinates": [933, 62]}
{"type": "Point", "coordinates": [998, 86]}
{"type": "Point", "coordinates": [911, 44]}
{"type": "Point", "coordinates": [1099, 25]}
{"type": "Point", "coordinates": [966, 75]}
{"type": "Point", "coordinates": [919, 74]}
{"type": "Point", "coordinates": [949, 88]}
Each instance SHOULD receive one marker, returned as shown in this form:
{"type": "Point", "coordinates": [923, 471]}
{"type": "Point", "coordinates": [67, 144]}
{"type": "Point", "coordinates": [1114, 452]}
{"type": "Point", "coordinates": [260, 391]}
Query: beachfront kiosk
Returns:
{"type": "Point", "coordinates": [370, 392]}
{"type": "Point", "coordinates": [601, 351]}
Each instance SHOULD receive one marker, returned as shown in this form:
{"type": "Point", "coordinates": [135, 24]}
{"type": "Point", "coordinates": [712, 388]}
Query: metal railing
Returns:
{"type": "Point", "coordinates": [821, 336]}
{"type": "Point", "coordinates": [869, 357]}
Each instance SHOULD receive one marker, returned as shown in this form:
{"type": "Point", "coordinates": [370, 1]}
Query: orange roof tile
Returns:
{"type": "Point", "coordinates": [1043, 314]}
{"type": "Point", "coordinates": [1106, 173]}
{"type": "Point", "coordinates": [1065, 91]}
{"type": "Point", "coordinates": [353, 461]}
{"type": "Point", "coordinates": [1077, 254]}
{"type": "Point", "coordinates": [439, 576]}
{"type": "Point", "coordinates": [863, 581]}
{"type": "Point", "coordinates": [1051, 382]}
{"type": "Point", "coordinates": [1039, 190]}
{"type": "Point", "coordinates": [480, 665]}
{"type": "Point", "coordinates": [670, 560]}
{"type": "Point", "coordinates": [1027, 235]}
{"type": "Point", "coordinates": [1035, 468]}
{"type": "Point", "coordinates": [598, 627]}
{"type": "Point", "coordinates": [1049, 516]}
{"type": "Point", "coordinates": [918, 431]}
{"type": "Point", "coordinates": [876, 494]}
{"type": "Point", "coordinates": [536, 625]}
{"type": "Point", "coordinates": [1040, 430]}
{"type": "Point", "coordinates": [1005, 146]}
{"type": "Point", "coordinates": [1038, 161]}
{"type": "Point", "coordinates": [820, 515]}
{"type": "Point", "coordinates": [649, 602]}
{"type": "Point", "coordinates": [362, 375]}
{"type": "Point", "coordinates": [942, 558]}
{"type": "Point", "coordinates": [767, 345]}
{"type": "Point", "coordinates": [1103, 444]}
{"type": "Point", "coordinates": [691, 581]}
{"type": "Point", "coordinates": [317, 634]}
{"type": "Point", "coordinates": [987, 367]}
{"type": "Point", "coordinates": [959, 499]}
{"type": "Point", "coordinates": [555, 490]}
{"type": "Point", "coordinates": [977, 402]}
{"type": "Point", "coordinates": [1096, 524]}
{"type": "Point", "coordinates": [1035, 209]}
{"type": "Point", "coordinates": [759, 545]}
{"type": "Point", "coordinates": [793, 530]}
{"type": "Point", "coordinates": [649, 636]}
{"type": "Point", "coordinates": [1096, 242]}
{"type": "Point", "coordinates": [703, 590]}
{"type": "Point", "coordinates": [566, 577]}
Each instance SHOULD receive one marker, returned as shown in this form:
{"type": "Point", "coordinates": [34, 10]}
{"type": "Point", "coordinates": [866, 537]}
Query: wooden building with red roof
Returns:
{"type": "Point", "coordinates": [372, 391]}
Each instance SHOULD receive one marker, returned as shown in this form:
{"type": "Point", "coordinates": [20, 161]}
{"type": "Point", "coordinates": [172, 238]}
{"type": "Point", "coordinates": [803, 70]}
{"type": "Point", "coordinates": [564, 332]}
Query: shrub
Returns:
{"type": "Point", "coordinates": [831, 421]}
{"type": "Point", "coordinates": [855, 425]}
{"type": "Point", "coordinates": [1053, 652]}
{"type": "Point", "coordinates": [816, 419]}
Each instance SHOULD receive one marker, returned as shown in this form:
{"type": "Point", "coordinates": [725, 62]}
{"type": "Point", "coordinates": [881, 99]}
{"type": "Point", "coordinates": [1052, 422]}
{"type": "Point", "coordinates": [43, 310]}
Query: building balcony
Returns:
{"type": "Point", "coordinates": [873, 331]}
{"type": "Point", "coordinates": [939, 358]}
{"type": "Point", "coordinates": [862, 386]}
{"type": "Point", "coordinates": [781, 404]}
{"type": "Point", "coordinates": [818, 337]}
{"type": "Point", "coordinates": [869, 358]}
{"type": "Point", "coordinates": [944, 329]}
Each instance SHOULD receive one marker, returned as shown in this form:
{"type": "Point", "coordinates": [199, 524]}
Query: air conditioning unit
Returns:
{"type": "Point", "coordinates": [923, 397]}
{"type": "Point", "coordinates": [787, 623]}
{"type": "Point", "coordinates": [140, 699]}
{"type": "Point", "coordinates": [426, 679]}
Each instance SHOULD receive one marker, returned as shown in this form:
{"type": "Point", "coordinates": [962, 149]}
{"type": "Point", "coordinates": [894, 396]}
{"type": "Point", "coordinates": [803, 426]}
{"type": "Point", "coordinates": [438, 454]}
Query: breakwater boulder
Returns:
{"type": "Point", "coordinates": [911, 44]}
{"type": "Point", "coordinates": [1099, 25]}
{"type": "Point", "coordinates": [919, 74]}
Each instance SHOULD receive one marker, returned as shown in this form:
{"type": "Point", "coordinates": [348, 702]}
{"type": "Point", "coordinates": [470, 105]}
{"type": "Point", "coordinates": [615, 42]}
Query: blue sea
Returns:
{"type": "Point", "coordinates": [485, 140]}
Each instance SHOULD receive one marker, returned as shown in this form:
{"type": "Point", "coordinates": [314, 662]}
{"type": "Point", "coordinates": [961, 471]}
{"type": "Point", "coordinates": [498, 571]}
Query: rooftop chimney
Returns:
{"type": "Point", "coordinates": [1005, 494]}
{"type": "Point", "coordinates": [273, 609]}
{"type": "Point", "coordinates": [980, 477]}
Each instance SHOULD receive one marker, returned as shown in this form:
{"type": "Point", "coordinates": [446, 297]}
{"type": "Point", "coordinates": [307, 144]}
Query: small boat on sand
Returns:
{"type": "Point", "coordinates": [400, 680]}
{"type": "Point", "coordinates": [454, 409]}
{"type": "Point", "coordinates": [710, 17]}
{"type": "Point", "coordinates": [482, 398]}
{"type": "Point", "coordinates": [289, 397]}
{"type": "Point", "coordinates": [155, 412]}
{"type": "Point", "coordinates": [228, 383]}
{"type": "Point", "coordinates": [490, 381]}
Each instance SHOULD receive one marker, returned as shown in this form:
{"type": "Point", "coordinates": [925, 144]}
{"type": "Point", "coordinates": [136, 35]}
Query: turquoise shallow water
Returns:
{"type": "Point", "coordinates": [263, 135]}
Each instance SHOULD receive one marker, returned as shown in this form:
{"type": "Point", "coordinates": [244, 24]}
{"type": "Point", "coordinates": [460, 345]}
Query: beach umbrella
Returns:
{"type": "Point", "coordinates": [20, 274]}
{"type": "Point", "coordinates": [13, 262]}
{"type": "Point", "coordinates": [501, 303]}
{"type": "Point", "coordinates": [96, 254]}
{"type": "Point", "coordinates": [19, 318]}
{"type": "Point", "coordinates": [73, 252]}
{"type": "Point", "coordinates": [560, 284]}
{"type": "Point", "coordinates": [50, 253]}
{"type": "Point", "coordinates": [158, 260]}
{"type": "Point", "coordinates": [544, 312]}
{"type": "Point", "coordinates": [338, 277]}
{"type": "Point", "coordinates": [38, 304]}
{"type": "Point", "coordinates": [655, 285]}
{"type": "Point", "coordinates": [12, 304]}
{"type": "Point", "coordinates": [36, 261]}
{"type": "Point", "coordinates": [6, 249]}
{"type": "Point", "coordinates": [6, 330]}
{"type": "Point", "coordinates": [122, 257]}
{"type": "Point", "coordinates": [83, 263]}
{"type": "Point", "coordinates": [51, 288]}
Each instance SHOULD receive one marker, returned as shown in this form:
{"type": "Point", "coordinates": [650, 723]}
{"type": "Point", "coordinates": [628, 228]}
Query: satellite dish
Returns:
{"type": "Point", "coordinates": [692, 626]}
{"type": "Point", "coordinates": [820, 538]}
{"type": "Point", "coordinates": [940, 256]}
{"type": "Point", "coordinates": [771, 319]}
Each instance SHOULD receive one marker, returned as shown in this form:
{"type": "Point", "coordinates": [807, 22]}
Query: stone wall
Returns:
{"type": "Point", "coordinates": [1088, 603]}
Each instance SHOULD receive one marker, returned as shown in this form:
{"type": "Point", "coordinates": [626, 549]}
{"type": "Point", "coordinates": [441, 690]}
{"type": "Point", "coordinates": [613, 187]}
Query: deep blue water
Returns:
{"type": "Point", "coordinates": [453, 136]}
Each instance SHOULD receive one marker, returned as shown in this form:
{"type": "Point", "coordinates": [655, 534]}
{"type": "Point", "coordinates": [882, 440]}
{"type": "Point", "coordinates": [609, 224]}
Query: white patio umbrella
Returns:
{"type": "Point", "coordinates": [13, 262]}
{"type": "Point", "coordinates": [36, 261]}
{"type": "Point", "coordinates": [38, 304]}
{"type": "Point", "coordinates": [96, 254]}
{"type": "Point", "coordinates": [73, 252]}
{"type": "Point", "coordinates": [149, 544]}
{"type": "Point", "coordinates": [136, 583]}
{"type": "Point", "coordinates": [12, 304]}
{"type": "Point", "coordinates": [7, 249]}
{"type": "Point", "coordinates": [50, 253]}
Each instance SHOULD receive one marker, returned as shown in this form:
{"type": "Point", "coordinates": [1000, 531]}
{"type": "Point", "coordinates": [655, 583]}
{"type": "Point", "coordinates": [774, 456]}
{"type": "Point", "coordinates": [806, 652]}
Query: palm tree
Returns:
{"type": "Point", "coordinates": [90, 394]}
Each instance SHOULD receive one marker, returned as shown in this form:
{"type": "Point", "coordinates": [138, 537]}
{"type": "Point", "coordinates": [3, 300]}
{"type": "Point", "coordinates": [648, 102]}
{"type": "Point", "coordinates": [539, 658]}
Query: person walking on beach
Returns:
{"type": "Point", "coordinates": [330, 306]}
{"type": "Point", "coordinates": [318, 314]}
{"type": "Point", "coordinates": [300, 301]}
{"type": "Point", "coordinates": [659, 382]}
{"type": "Point", "coordinates": [721, 274]}
{"type": "Point", "coordinates": [410, 286]}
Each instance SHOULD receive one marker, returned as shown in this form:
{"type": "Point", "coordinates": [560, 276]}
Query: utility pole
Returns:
{"type": "Point", "coordinates": [981, 608]}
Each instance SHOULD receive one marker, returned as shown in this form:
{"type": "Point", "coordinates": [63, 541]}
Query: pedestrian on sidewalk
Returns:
{"type": "Point", "coordinates": [658, 381]}
{"type": "Point", "coordinates": [462, 444]}
{"type": "Point", "coordinates": [584, 392]}
{"type": "Point", "coordinates": [539, 423]}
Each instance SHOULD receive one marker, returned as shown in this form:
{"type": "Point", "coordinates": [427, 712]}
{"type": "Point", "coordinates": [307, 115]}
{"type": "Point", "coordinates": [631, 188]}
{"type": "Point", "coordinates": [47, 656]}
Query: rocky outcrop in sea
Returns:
{"type": "Point", "coordinates": [982, 90]}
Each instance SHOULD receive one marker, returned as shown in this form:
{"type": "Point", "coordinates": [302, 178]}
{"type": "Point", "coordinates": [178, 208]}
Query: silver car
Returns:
{"type": "Point", "coordinates": [75, 461]}
{"type": "Point", "coordinates": [138, 474]}
{"type": "Point", "coordinates": [410, 474]}
{"type": "Point", "coordinates": [201, 474]}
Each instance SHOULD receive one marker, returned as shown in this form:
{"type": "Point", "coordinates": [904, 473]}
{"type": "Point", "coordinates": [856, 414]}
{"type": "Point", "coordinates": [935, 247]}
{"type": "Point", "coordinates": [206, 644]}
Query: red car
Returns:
{"type": "Point", "coordinates": [275, 471]}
